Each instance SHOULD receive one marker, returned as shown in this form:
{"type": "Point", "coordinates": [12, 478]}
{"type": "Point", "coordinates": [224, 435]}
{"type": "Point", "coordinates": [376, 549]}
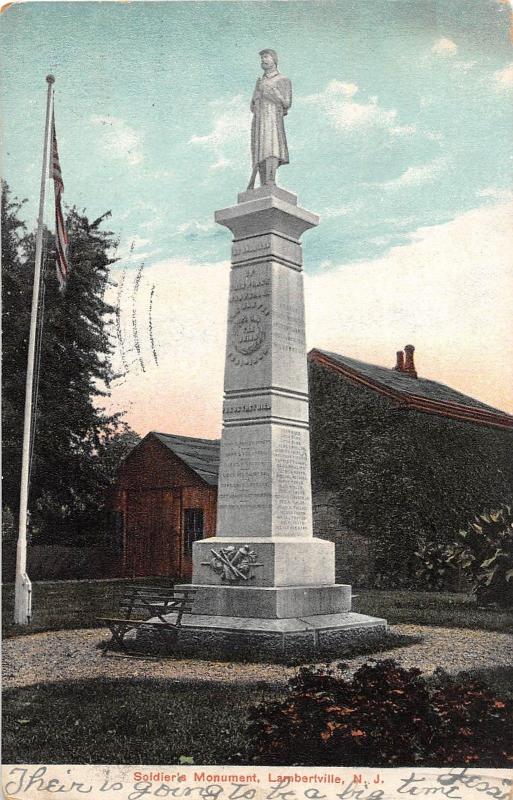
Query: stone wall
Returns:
{"type": "Point", "coordinates": [354, 562]}
{"type": "Point", "coordinates": [69, 604]}
{"type": "Point", "coordinates": [61, 562]}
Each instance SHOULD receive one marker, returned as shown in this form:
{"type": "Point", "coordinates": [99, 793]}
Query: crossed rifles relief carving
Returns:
{"type": "Point", "coordinates": [234, 564]}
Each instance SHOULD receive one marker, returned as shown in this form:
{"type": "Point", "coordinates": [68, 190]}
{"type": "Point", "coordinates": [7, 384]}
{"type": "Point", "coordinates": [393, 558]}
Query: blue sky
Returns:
{"type": "Point", "coordinates": [402, 123]}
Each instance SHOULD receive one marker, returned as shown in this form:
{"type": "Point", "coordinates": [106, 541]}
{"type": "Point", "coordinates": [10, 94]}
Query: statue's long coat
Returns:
{"type": "Point", "coordinates": [271, 100]}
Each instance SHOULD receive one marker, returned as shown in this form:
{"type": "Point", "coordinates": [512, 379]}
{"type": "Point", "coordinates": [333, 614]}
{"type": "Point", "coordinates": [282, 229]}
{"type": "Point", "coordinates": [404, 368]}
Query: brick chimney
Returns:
{"type": "Point", "coordinates": [399, 367]}
{"type": "Point", "coordinates": [409, 365]}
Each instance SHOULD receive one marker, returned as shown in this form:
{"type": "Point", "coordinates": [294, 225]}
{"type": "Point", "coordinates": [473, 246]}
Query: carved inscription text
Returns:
{"type": "Point", "coordinates": [292, 481]}
{"type": "Point", "coordinates": [244, 479]}
{"type": "Point", "coordinates": [248, 323]}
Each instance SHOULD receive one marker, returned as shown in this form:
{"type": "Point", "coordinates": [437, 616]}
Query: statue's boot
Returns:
{"type": "Point", "coordinates": [267, 170]}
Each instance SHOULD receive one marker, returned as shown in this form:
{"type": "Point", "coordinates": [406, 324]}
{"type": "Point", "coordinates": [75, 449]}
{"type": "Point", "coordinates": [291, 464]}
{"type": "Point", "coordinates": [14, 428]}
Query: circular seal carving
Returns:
{"type": "Point", "coordinates": [248, 331]}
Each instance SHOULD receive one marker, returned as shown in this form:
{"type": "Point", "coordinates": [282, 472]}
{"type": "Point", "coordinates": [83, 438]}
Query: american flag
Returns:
{"type": "Point", "coordinates": [61, 237]}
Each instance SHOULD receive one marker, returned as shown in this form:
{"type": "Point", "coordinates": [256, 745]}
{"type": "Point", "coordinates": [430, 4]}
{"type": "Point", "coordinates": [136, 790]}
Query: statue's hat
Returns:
{"type": "Point", "coordinates": [272, 53]}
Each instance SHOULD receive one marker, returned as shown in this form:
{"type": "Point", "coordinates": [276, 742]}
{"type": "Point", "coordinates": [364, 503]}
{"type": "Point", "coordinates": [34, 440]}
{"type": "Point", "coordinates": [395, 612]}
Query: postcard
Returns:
{"type": "Point", "coordinates": [257, 410]}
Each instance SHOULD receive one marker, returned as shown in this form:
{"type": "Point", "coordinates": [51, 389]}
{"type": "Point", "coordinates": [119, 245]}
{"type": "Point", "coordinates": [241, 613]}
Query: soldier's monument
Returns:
{"type": "Point", "coordinates": [265, 585]}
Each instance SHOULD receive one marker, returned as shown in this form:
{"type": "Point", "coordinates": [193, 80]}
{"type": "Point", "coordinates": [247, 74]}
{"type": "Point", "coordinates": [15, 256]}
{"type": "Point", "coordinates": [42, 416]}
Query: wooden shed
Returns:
{"type": "Point", "coordinates": [163, 500]}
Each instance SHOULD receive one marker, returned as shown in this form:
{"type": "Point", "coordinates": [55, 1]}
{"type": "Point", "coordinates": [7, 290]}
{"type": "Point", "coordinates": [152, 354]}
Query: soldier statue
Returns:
{"type": "Point", "coordinates": [271, 101]}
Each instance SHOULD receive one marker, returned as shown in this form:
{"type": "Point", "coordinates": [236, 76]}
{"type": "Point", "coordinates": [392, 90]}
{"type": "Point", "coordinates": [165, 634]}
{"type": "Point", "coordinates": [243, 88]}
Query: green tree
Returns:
{"type": "Point", "coordinates": [15, 326]}
{"type": "Point", "coordinates": [75, 435]}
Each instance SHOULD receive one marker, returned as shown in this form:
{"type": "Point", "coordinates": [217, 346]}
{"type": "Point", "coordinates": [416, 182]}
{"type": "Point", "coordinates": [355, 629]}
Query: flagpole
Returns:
{"type": "Point", "coordinates": [23, 587]}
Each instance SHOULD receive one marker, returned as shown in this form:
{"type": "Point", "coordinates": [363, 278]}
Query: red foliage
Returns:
{"type": "Point", "coordinates": [384, 716]}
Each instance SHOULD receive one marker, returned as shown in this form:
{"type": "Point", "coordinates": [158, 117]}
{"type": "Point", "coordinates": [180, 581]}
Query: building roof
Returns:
{"type": "Point", "coordinates": [417, 393]}
{"type": "Point", "coordinates": [201, 455]}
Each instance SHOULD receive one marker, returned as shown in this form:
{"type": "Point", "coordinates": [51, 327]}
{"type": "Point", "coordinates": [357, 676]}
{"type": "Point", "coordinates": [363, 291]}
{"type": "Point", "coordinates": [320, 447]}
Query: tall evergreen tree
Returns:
{"type": "Point", "coordinates": [74, 433]}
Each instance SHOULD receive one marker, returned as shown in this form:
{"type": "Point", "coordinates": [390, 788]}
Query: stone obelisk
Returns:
{"type": "Point", "coordinates": [264, 584]}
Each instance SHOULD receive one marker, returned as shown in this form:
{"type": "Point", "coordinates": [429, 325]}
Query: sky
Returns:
{"type": "Point", "coordinates": [400, 137]}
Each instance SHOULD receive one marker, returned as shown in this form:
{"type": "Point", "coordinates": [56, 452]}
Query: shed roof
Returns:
{"type": "Point", "coordinates": [201, 455]}
{"type": "Point", "coordinates": [420, 393]}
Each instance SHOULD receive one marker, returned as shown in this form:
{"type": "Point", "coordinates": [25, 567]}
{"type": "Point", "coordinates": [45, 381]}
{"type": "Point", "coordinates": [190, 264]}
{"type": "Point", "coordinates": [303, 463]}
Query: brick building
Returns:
{"type": "Point", "coordinates": [395, 458]}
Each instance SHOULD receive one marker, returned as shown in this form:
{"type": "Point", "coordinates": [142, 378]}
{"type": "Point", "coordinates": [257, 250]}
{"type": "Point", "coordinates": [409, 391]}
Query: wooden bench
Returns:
{"type": "Point", "coordinates": [148, 602]}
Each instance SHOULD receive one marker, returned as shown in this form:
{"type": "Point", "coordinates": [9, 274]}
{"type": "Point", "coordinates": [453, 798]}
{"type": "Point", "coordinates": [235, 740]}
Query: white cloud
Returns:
{"type": "Point", "coordinates": [495, 194]}
{"type": "Point", "coordinates": [136, 258]}
{"type": "Point", "coordinates": [118, 140]}
{"type": "Point", "coordinates": [403, 130]}
{"type": "Point", "coordinates": [231, 123]}
{"type": "Point", "coordinates": [465, 66]}
{"type": "Point", "coordinates": [418, 175]}
{"type": "Point", "coordinates": [449, 291]}
{"type": "Point", "coordinates": [341, 211]}
{"type": "Point", "coordinates": [137, 242]}
{"type": "Point", "coordinates": [156, 214]}
{"type": "Point", "coordinates": [404, 222]}
{"type": "Point", "coordinates": [151, 224]}
{"type": "Point", "coordinates": [163, 173]}
{"type": "Point", "coordinates": [346, 114]}
{"type": "Point", "coordinates": [490, 191]}
{"type": "Point", "coordinates": [197, 226]}
{"type": "Point", "coordinates": [130, 248]}
{"type": "Point", "coordinates": [503, 78]}
{"type": "Point", "coordinates": [448, 49]}
{"type": "Point", "coordinates": [183, 392]}
{"type": "Point", "coordinates": [445, 47]}
{"type": "Point", "coordinates": [221, 163]}
{"type": "Point", "coordinates": [347, 89]}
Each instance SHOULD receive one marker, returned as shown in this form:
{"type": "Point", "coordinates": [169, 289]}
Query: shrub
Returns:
{"type": "Point", "coordinates": [9, 543]}
{"type": "Point", "coordinates": [384, 716]}
{"type": "Point", "coordinates": [474, 726]}
{"type": "Point", "coordinates": [485, 554]}
{"type": "Point", "coordinates": [434, 568]}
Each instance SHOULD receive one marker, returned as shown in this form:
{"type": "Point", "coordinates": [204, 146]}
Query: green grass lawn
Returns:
{"type": "Point", "coordinates": [158, 721]}
{"type": "Point", "coordinates": [126, 722]}
{"type": "Point", "coordinates": [142, 721]}
{"type": "Point", "coordinates": [443, 609]}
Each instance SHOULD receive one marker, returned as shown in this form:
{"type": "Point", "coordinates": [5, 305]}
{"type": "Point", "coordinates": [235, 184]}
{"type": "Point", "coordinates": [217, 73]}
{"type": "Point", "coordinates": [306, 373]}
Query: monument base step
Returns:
{"type": "Point", "coordinates": [267, 191]}
{"type": "Point", "coordinates": [270, 601]}
{"type": "Point", "coordinates": [256, 639]}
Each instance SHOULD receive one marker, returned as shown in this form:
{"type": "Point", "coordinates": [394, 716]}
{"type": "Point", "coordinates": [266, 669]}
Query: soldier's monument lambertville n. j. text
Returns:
{"type": "Point", "coordinates": [265, 586]}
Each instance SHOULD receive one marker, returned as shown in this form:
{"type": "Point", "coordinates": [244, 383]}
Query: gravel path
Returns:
{"type": "Point", "coordinates": [73, 655]}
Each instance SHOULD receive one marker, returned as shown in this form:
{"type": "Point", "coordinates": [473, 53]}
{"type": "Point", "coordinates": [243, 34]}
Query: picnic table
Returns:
{"type": "Point", "coordinates": [153, 606]}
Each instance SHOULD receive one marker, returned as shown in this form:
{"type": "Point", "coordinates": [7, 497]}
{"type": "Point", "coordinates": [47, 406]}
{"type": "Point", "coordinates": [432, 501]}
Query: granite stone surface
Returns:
{"type": "Point", "coordinates": [291, 561]}
{"type": "Point", "coordinates": [270, 602]}
{"type": "Point", "coordinates": [268, 640]}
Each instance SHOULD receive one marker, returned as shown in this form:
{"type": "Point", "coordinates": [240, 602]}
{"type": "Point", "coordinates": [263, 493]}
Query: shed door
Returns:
{"type": "Point", "coordinates": [151, 537]}
{"type": "Point", "coordinates": [192, 531]}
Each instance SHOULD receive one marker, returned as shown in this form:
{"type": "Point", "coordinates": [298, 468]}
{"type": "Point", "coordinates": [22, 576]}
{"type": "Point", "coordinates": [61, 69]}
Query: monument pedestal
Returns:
{"type": "Point", "coordinates": [265, 586]}
{"type": "Point", "coordinates": [263, 639]}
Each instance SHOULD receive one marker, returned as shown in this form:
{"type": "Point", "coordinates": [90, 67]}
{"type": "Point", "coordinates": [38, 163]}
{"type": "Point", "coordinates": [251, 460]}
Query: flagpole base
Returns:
{"type": "Point", "coordinates": [23, 600]}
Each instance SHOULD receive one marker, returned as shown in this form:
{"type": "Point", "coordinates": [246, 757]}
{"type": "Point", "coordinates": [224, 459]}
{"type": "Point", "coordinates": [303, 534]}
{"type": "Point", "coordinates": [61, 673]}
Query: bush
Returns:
{"type": "Point", "coordinates": [9, 544]}
{"type": "Point", "coordinates": [384, 716]}
{"type": "Point", "coordinates": [485, 554]}
{"type": "Point", "coordinates": [434, 569]}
